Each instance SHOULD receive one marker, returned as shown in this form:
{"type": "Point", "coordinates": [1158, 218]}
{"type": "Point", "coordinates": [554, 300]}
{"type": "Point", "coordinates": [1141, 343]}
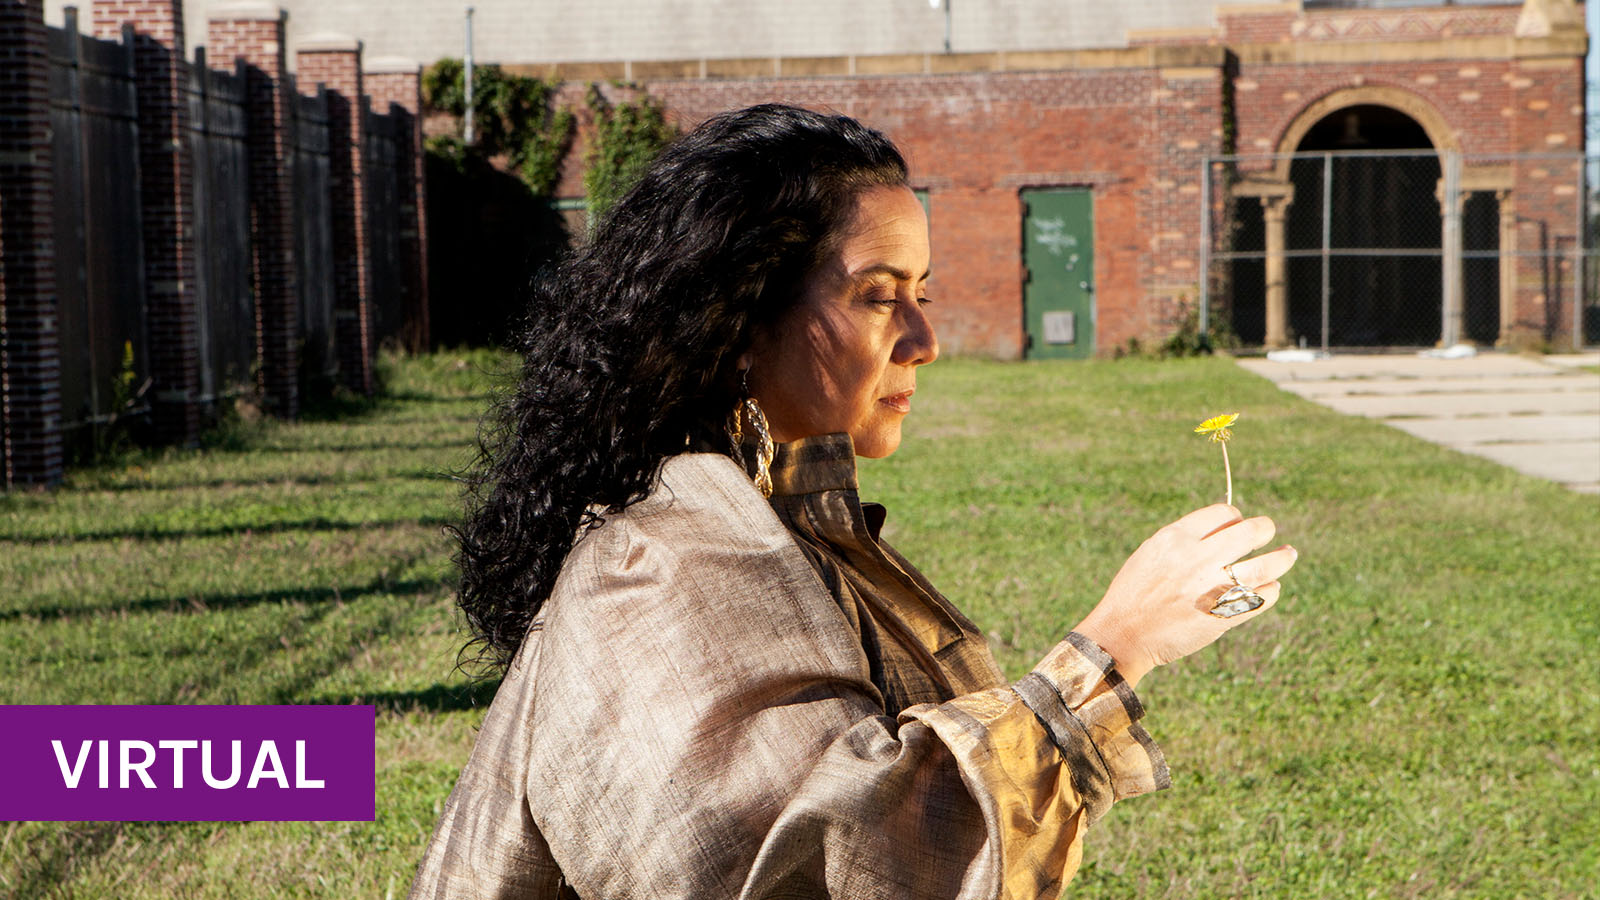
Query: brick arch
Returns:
{"type": "Point", "coordinates": [1424, 113]}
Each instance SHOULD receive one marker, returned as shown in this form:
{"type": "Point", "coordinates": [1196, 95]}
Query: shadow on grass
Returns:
{"type": "Point", "coordinates": [265, 480]}
{"type": "Point", "coordinates": [371, 445]}
{"type": "Point", "coordinates": [318, 523]}
{"type": "Point", "coordinates": [53, 856]}
{"type": "Point", "coordinates": [439, 697]}
{"type": "Point", "coordinates": [207, 603]}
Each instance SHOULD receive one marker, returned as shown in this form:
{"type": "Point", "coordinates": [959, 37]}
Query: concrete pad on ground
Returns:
{"type": "Point", "coordinates": [1464, 432]}
{"type": "Point", "coordinates": [1407, 366]}
{"type": "Point", "coordinates": [1579, 381]}
{"type": "Point", "coordinates": [1467, 404]}
{"type": "Point", "coordinates": [1575, 464]}
{"type": "Point", "coordinates": [1573, 360]}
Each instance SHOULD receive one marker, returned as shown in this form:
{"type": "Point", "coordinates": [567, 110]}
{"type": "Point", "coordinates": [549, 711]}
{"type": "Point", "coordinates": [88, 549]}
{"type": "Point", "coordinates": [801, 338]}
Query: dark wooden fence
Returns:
{"type": "Point", "coordinates": [381, 164]}
{"type": "Point", "coordinates": [97, 210]}
{"type": "Point", "coordinates": [314, 238]}
{"type": "Point", "coordinates": [99, 259]}
{"type": "Point", "coordinates": [218, 136]}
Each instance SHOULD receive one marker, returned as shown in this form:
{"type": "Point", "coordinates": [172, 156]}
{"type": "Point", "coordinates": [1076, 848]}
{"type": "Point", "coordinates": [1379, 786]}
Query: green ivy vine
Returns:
{"type": "Point", "coordinates": [513, 115]}
{"type": "Point", "coordinates": [628, 133]}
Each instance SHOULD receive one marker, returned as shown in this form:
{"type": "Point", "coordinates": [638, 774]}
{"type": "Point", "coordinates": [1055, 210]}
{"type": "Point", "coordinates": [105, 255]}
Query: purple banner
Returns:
{"type": "Point", "coordinates": [188, 763]}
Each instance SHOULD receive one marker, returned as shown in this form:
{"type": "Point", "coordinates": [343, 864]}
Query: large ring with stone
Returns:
{"type": "Point", "coordinates": [1237, 599]}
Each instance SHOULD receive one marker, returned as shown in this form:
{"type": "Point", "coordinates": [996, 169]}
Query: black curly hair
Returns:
{"type": "Point", "coordinates": [630, 347]}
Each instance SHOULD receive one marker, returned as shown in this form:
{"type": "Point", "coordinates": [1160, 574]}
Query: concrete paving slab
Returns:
{"type": "Point", "coordinates": [1557, 462]}
{"type": "Point", "coordinates": [1563, 383]}
{"type": "Point", "coordinates": [1398, 366]}
{"type": "Point", "coordinates": [1502, 429]}
{"type": "Point", "coordinates": [1539, 415]}
{"type": "Point", "coordinates": [1573, 359]}
{"type": "Point", "coordinates": [1442, 406]}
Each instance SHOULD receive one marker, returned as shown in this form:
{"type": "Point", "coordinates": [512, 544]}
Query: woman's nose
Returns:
{"type": "Point", "coordinates": [918, 345]}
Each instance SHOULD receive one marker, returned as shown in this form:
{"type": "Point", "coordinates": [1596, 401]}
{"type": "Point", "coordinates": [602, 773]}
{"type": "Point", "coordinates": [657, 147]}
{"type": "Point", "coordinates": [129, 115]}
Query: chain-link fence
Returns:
{"type": "Point", "coordinates": [1401, 249]}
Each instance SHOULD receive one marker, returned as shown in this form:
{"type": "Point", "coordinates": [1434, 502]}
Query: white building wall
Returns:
{"type": "Point", "coordinates": [532, 31]}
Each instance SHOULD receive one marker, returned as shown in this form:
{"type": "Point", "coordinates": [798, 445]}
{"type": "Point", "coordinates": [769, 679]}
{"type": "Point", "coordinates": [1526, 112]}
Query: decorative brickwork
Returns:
{"type": "Point", "coordinates": [254, 42]}
{"type": "Point", "coordinates": [30, 366]}
{"type": "Point", "coordinates": [166, 172]}
{"type": "Point", "coordinates": [335, 63]}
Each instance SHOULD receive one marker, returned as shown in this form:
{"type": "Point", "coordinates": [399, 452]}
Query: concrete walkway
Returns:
{"type": "Point", "coordinates": [1537, 414]}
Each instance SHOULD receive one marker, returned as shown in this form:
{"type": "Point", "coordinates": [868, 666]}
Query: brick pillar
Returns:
{"type": "Point", "coordinates": [166, 193]}
{"type": "Point", "coordinates": [30, 349]}
{"type": "Point", "coordinates": [334, 62]}
{"type": "Point", "coordinates": [250, 36]}
{"type": "Point", "coordinates": [395, 86]}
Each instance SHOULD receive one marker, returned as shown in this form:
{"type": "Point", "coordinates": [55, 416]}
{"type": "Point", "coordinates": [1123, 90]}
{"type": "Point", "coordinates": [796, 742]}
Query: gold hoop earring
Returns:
{"type": "Point", "coordinates": [748, 408]}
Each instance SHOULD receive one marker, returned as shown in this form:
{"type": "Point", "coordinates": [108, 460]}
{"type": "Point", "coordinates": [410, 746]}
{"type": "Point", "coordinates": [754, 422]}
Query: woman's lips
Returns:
{"type": "Point", "coordinates": [900, 401]}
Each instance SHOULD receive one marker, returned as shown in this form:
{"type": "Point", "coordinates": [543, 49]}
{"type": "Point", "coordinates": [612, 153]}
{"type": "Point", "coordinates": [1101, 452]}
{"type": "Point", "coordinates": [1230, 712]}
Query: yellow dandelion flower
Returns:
{"type": "Point", "coordinates": [1217, 427]}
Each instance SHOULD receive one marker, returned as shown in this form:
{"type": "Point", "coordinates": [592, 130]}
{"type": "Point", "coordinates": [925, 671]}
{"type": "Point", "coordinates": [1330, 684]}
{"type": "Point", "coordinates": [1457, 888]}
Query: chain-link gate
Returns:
{"type": "Point", "coordinates": [1345, 249]}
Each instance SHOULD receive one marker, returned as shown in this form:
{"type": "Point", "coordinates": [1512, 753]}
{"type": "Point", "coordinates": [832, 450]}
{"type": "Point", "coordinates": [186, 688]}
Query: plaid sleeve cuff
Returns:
{"type": "Point", "coordinates": [1093, 717]}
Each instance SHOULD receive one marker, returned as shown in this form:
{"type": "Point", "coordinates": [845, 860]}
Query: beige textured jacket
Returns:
{"type": "Point", "coordinates": [731, 697]}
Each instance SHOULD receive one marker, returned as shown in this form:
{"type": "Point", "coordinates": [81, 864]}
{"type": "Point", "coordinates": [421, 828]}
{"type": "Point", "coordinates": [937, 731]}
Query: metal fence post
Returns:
{"type": "Point", "coordinates": [1205, 250]}
{"type": "Point", "coordinates": [1327, 237]}
{"type": "Point", "coordinates": [1578, 245]}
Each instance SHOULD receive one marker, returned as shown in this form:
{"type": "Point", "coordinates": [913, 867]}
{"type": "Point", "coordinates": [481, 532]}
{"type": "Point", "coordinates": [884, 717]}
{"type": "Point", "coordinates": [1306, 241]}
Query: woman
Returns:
{"type": "Point", "coordinates": [719, 680]}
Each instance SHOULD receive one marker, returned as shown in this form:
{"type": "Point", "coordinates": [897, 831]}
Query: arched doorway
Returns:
{"type": "Point", "coordinates": [1382, 225]}
{"type": "Point", "coordinates": [1343, 237]}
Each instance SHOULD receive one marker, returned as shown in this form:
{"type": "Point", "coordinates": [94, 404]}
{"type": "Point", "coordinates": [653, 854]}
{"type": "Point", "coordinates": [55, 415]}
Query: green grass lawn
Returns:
{"type": "Point", "coordinates": [1420, 717]}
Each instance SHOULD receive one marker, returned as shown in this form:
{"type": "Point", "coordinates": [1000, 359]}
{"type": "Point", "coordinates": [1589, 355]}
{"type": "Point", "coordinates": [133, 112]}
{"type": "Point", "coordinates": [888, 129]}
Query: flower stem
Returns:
{"type": "Point", "coordinates": [1228, 470]}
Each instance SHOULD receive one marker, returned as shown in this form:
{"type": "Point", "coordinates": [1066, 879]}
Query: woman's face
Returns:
{"type": "Point", "coordinates": [845, 358]}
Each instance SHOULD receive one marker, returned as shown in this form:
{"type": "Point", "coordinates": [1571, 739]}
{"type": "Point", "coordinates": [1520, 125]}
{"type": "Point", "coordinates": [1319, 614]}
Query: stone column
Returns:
{"type": "Point", "coordinates": [249, 36]}
{"type": "Point", "coordinates": [1451, 201]}
{"type": "Point", "coordinates": [1275, 210]}
{"type": "Point", "coordinates": [30, 344]}
{"type": "Point", "coordinates": [1508, 265]}
{"type": "Point", "coordinates": [166, 174]}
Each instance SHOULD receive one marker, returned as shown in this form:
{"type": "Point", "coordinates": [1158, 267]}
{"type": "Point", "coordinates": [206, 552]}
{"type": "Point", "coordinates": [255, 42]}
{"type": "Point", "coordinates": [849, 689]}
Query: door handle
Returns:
{"type": "Point", "coordinates": [1085, 286]}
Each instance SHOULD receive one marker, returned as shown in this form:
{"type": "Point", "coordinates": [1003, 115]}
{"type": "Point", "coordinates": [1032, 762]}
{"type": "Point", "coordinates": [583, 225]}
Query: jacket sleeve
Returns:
{"type": "Point", "coordinates": [706, 725]}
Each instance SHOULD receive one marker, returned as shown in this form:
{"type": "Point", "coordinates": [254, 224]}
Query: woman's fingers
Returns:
{"type": "Point", "coordinates": [1207, 520]}
{"type": "Point", "coordinates": [1265, 568]}
{"type": "Point", "coordinates": [1235, 539]}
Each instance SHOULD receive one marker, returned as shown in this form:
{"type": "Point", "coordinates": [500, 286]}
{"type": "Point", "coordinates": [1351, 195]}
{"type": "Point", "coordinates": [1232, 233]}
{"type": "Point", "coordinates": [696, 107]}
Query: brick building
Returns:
{"type": "Point", "coordinates": [1064, 187]}
{"type": "Point", "coordinates": [1061, 146]}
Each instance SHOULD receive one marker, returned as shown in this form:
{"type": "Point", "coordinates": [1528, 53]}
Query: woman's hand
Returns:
{"type": "Point", "coordinates": [1156, 609]}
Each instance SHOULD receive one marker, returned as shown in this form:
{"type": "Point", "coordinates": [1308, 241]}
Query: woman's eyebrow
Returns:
{"type": "Point", "coordinates": [894, 272]}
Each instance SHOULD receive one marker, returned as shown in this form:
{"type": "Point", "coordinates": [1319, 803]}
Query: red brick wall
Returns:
{"type": "Point", "coordinates": [974, 141]}
{"type": "Point", "coordinates": [30, 364]}
{"type": "Point", "coordinates": [1547, 118]}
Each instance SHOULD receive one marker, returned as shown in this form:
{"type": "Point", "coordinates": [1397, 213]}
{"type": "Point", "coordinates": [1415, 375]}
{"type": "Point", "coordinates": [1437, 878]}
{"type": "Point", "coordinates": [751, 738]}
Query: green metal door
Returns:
{"type": "Point", "coordinates": [1058, 272]}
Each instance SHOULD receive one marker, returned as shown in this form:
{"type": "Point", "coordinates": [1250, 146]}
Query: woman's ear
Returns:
{"type": "Point", "coordinates": [745, 359]}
